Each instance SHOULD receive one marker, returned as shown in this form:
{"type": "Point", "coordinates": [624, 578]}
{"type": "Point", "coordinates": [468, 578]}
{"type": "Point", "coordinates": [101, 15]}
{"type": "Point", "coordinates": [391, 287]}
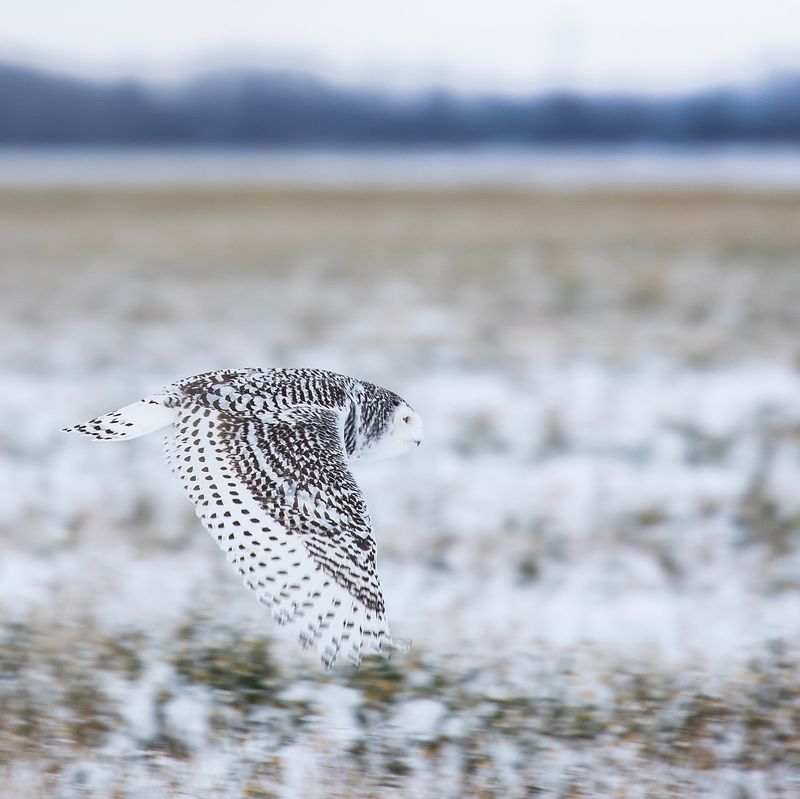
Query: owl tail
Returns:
{"type": "Point", "coordinates": [137, 419]}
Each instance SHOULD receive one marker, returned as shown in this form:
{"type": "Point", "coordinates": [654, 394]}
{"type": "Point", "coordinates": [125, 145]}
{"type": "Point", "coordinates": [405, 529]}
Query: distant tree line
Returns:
{"type": "Point", "coordinates": [268, 108]}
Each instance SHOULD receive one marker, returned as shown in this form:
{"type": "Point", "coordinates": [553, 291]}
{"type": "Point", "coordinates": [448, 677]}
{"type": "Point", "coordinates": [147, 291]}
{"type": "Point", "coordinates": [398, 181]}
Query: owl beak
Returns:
{"type": "Point", "coordinates": [417, 441]}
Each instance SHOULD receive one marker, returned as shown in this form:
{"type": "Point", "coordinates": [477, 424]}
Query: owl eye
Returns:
{"type": "Point", "coordinates": [407, 419]}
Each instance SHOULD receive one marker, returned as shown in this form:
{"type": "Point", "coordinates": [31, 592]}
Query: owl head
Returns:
{"type": "Point", "coordinates": [385, 425]}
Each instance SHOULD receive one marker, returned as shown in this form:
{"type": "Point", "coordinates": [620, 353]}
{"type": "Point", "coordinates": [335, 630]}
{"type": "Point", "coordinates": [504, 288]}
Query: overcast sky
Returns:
{"type": "Point", "coordinates": [498, 44]}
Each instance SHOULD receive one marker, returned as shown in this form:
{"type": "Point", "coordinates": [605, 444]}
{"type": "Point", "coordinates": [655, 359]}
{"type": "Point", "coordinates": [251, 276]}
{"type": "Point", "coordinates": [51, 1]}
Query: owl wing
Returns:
{"type": "Point", "coordinates": [277, 495]}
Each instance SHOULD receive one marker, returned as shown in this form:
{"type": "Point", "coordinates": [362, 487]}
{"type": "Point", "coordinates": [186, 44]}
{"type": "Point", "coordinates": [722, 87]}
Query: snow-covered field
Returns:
{"type": "Point", "coordinates": [596, 552]}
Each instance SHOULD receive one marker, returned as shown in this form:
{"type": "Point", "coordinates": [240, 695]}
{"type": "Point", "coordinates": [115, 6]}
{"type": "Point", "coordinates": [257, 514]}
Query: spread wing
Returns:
{"type": "Point", "coordinates": [278, 497]}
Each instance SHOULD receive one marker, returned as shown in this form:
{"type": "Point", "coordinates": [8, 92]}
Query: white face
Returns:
{"type": "Point", "coordinates": [403, 433]}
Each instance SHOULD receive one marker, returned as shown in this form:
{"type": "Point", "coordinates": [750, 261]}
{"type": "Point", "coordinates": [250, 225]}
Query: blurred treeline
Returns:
{"type": "Point", "coordinates": [263, 107]}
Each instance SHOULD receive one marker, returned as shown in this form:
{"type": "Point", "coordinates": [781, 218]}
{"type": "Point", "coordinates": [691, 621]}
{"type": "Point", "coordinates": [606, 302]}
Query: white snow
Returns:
{"type": "Point", "coordinates": [598, 495]}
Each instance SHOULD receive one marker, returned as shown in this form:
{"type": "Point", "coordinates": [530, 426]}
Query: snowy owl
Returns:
{"type": "Point", "coordinates": [264, 456]}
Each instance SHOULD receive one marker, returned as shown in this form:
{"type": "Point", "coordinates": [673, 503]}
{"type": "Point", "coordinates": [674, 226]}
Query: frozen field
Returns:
{"type": "Point", "coordinates": [596, 552]}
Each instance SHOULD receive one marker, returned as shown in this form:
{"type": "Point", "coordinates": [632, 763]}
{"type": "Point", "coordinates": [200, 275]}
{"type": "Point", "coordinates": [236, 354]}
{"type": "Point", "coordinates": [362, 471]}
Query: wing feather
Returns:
{"type": "Point", "coordinates": [279, 499]}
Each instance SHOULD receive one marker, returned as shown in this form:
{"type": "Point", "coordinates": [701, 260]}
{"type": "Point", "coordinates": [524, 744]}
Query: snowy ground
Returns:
{"type": "Point", "coordinates": [596, 552]}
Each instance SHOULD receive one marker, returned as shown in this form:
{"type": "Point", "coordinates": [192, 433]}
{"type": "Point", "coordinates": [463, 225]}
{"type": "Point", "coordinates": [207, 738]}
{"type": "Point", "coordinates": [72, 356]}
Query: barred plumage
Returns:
{"type": "Point", "coordinates": [263, 455]}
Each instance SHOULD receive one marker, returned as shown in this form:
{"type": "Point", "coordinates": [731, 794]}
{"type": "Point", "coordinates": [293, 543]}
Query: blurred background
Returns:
{"type": "Point", "coordinates": [568, 233]}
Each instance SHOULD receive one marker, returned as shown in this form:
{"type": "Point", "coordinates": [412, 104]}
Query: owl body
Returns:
{"type": "Point", "coordinates": [264, 457]}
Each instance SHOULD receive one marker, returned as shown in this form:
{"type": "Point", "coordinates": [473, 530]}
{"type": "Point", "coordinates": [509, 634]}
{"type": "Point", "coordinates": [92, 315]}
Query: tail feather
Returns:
{"type": "Point", "coordinates": [137, 419]}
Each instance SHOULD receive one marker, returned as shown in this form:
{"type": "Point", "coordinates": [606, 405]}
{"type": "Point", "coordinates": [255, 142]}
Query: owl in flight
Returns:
{"type": "Point", "coordinates": [264, 455]}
